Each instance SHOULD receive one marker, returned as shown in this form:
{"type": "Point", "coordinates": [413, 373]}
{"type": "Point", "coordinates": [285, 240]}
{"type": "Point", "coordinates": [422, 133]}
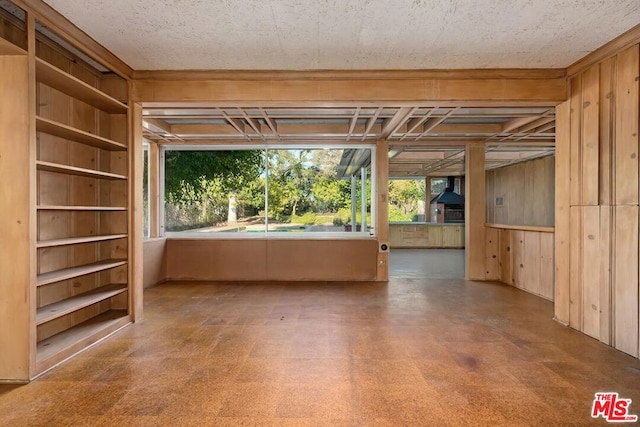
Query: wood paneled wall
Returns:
{"type": "Point", "coordinates": [527, 193]}
{"type": "Point", "coordinates": [154, 262]}
{"type": "Point", "coordinates": [521, 258]}
{"type": "Point", "coordinates": [271, 259]}
{"type": "Point", "coordinates": [597, 202]}
{"type": "Point", "coordinates": [16, 221]}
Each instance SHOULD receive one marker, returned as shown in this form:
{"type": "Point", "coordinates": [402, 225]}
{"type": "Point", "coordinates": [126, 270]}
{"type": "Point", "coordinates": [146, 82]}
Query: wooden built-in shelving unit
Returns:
{"type": "Point", "coordinates": [66, 219]}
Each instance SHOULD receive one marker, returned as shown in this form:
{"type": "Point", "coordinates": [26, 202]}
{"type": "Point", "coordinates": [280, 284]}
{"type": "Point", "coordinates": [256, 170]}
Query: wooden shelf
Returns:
{"type": "Point", "coordinates": [70, 273]}
{"type": "Point", "coordinates": [76, 88]}
{"type": "Point", "coordinates": [77, 240]}
{"type": "Point", "coordinates": [80, 208]}
{"type": "Point", "coordinates": [72, 170]}
{"type": "Point", "coordinates": [53, 311]}
{"type": "Point", "coordinates": [8, 48]}
{"type": "Point", "coordinates": [67, 132]}
{"type": "Point", "coordinates": [59, 347]}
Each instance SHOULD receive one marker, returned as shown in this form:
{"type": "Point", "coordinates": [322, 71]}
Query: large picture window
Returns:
{"type": "Point", "coordinates": [281, 191]}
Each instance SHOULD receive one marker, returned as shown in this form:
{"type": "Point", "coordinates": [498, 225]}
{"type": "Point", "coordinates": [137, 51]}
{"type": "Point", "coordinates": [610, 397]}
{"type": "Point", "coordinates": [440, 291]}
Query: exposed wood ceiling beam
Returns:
{"type": "Point", "coordinates": [464, 128]}
{"type": "Point", "coordinates": [413, 124]}
{"type": "Point", "coordinates": [444, 162]}
{"type": "Point", "coordinates": [419, 155]}
{"type": "Point", "coordinates": [393, 124]}
{"type": "Point", "coordinates": [251, 123]}
{"type": "Point", "coordinates": [516, 123]}
{"type": "Point", "coordinates": [371, 122]}
{"type": "Point", "coordinates": [432, 123]}
{"type": "Point", "coordinates": [158, 123]}
{"type": "Point", "coordinates": [271, 123]}
{"type": "Point", "coordinates": [200, 130]}
{"type": "Point", "coordinates": [354, 120]}
{"type": "Point", "coordinates": [237, 124]}
{"type": "Point", "coordinates": [534, 124]}
{"type": "Point", "coordinates": [324, 129]}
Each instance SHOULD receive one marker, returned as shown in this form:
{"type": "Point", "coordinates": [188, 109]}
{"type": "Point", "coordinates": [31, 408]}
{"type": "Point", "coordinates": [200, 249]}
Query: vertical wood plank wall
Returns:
{"type": "Point", "coordinates": [596, 240]}
{"type": "Point", "coordinates": [521, 258]}
{"type": "Point", "coordinates": [154, 261]}
{"type": "Point", "coordinates": [519, 233]}
{"type": "Point", "coordinates": [527, 192]}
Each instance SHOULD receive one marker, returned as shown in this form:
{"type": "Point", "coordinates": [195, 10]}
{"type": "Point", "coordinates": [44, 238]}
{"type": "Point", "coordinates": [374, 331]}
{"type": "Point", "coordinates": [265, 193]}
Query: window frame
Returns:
{"type": "Point", "coordinates": [371, 233]}
{"type": "Point", "coordinates": [146, 216]}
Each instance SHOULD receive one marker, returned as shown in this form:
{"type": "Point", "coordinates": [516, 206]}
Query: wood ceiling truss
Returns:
{"type": "Point", "coordinates": [423, 139]}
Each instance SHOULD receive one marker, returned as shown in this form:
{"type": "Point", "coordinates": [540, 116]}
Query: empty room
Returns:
{"type": "Point", "coordinates": [282, 212]}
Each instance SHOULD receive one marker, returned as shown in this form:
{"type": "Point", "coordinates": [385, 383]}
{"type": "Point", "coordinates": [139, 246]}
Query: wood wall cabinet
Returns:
{"type": "Point", "coordinates": [64, 134]}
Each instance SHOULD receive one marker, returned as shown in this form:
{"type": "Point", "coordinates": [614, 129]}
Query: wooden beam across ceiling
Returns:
{"type": "Point", "coordinates": [158, 123]}
{"type": "Point", "coordinates": [453, 87]}
{"type": "Point", "coordinates": [204, 129]}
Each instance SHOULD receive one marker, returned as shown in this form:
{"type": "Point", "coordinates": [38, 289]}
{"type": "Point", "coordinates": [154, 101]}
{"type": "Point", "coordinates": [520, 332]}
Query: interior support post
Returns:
{"type": "Point", "coordinates": [382, 207]}
{"type": "Point", "coordinates": [474, 211]}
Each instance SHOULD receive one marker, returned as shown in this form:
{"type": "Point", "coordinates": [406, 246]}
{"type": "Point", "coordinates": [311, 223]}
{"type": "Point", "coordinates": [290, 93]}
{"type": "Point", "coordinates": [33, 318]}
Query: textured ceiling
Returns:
{"type": "Point", "coordinates": [350, 34]}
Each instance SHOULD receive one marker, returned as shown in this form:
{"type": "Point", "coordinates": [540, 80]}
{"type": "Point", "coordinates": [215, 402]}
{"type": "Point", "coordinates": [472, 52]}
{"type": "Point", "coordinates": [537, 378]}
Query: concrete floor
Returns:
{"type": "Point", "coordinates": [423, 352]}
{"type": "Point", "coordinates": [426, 263]}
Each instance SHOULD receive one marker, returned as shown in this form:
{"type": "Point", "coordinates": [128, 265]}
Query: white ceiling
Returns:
{"type": "Point", "coordinates": [350, 34]}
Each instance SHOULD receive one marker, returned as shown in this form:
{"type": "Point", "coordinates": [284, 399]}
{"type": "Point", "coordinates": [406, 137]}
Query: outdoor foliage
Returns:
{"type": "Point", "coordinates": [303, 188]}
{"type": "Point", "coordinates": [404, 198]}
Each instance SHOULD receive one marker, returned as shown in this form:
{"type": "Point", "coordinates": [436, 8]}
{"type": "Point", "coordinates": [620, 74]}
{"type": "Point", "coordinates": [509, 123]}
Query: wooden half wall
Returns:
{"type": "Point", "coordinates": [271, 259]}
{"type": "Point", "coordinates": [597, 192]}
{"type": "Point", "coordinates": [522, 257]}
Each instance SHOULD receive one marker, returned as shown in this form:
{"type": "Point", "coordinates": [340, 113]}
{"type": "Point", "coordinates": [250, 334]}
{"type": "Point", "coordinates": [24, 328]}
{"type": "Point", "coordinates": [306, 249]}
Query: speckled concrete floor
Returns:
{"type": "Point", "coordinates": [411, 352]}
{"type": "Point", "coordinates": [426, 263]}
